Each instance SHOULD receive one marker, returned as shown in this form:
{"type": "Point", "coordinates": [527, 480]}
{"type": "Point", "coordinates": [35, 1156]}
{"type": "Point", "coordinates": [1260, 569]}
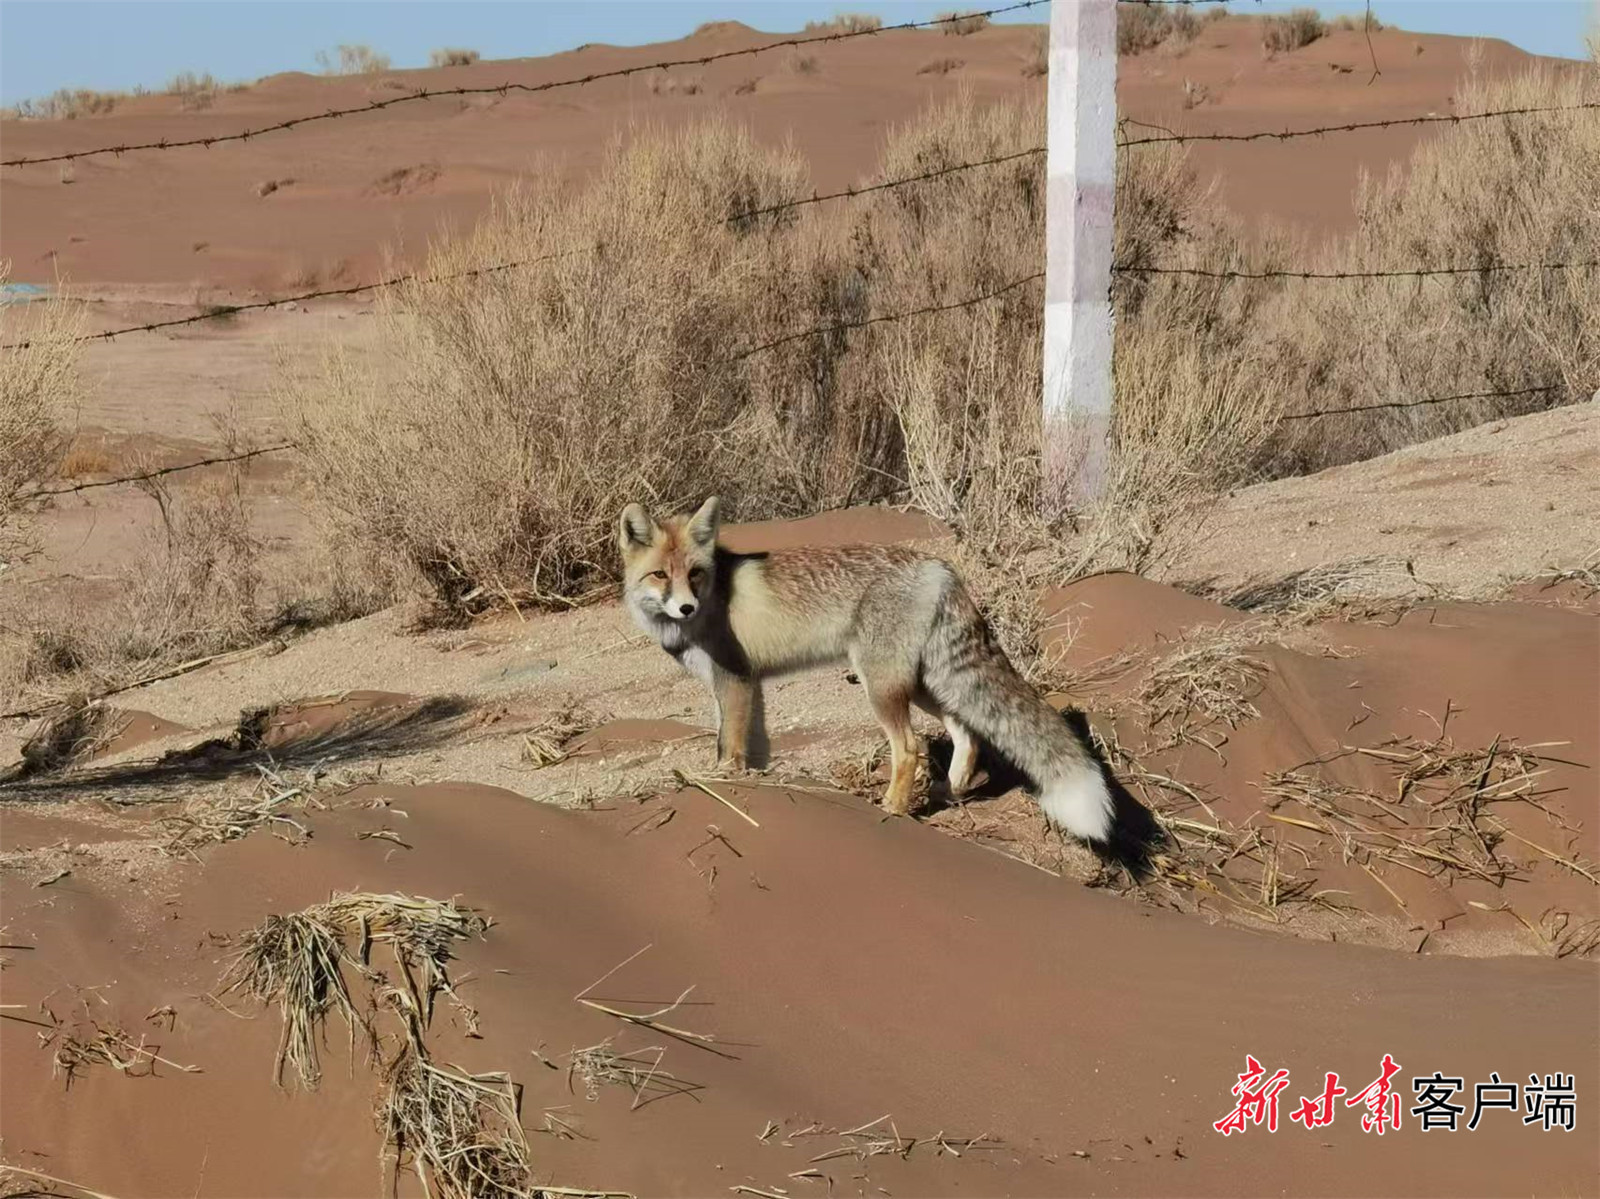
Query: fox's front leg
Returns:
{"type": "Point", "coordinates": [738, 702]}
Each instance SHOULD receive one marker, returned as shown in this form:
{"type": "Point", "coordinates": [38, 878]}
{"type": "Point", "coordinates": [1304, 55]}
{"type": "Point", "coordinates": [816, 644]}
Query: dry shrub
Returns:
{"type": "Point", "coordinates": [1037, 61]}
{"type": "Point", "coordinates": [1142, 27]}
{"type": "Point", "coordinates": [525, 408]}
{"type": "Point", "coordinates": [39, 393]}
{"type": "Point", "coordinates": [940, 66]}
{"type": "Point", "coordinates": [67, 104]}
{"type": "Point", "coordinates": [452, 57]}
{"type": "Point", "coordinates": [194, 91]}
{"type": "Point", "coordinates": [195, 589]}
{"type": "Point", "coordinates": [1357, 22]}
{"type": "Point", "coordinates": [958, 24]}
{"type": "Point", "coordinates": [352, 60]}
{"type": "Point", "coordinates": [1291, 30]}
{"type": "Point", "coordinates": [1482, 194]}
{"type": "Point", "coordinates": [846, 22]}
{"type": "Point", "coordinates": [666, 84]}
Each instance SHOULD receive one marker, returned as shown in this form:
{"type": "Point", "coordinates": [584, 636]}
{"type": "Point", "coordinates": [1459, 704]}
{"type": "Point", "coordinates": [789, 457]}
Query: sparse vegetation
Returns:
{"type": "Point", "coordinates": [665, 83]}
{"type": "Point", "coordinates": [959, 24]}
{"type": "Point", "coordinates": [1503, 331]}
{"type": "Point", "coordinates": [352, 60]}
{"type": "Point", "coordinates": [452, 57]}
{"type": "Point", "coordinates": [1281, 33]}
{"type": "Point", "coordinates": [194, 91]}
{"type": "Point", "coordinates": [1357, 22]}
{"type": "Point", "coordinates": [1037, 61]}
{"type": "Point", "coordinates": [940, 66]}
{"type": "Point", "coordinates": [804, 64]}
{"type": "Point", "coordinates": [846, 22]}
{"type": "Point", "coordinates": [39, 394]}
{"type": "Point", "coordinates": [67, 104]}
{"type": "Point", "coordinates": [1142, 27]}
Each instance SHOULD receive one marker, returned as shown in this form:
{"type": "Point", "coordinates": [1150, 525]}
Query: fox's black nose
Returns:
{"type": "Point", "coordinates": [686, 609]}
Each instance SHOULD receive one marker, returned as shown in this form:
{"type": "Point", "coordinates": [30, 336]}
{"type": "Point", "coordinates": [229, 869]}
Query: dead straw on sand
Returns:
{"type": "Point", "coordinates": [545, 743]}
{"type": "Point", "coordinates": [87, 1042]}
{"type": "Point", "coordinates": [460, 1133]}
{"type": "Point", "coordinates": [266, 806]}
{"type": "Point", "coordinates": [1209, 680]}
{"type": "Point", "coordinates": [23, 1174]}
{"type": "Point", "coordinates": [298, 962]}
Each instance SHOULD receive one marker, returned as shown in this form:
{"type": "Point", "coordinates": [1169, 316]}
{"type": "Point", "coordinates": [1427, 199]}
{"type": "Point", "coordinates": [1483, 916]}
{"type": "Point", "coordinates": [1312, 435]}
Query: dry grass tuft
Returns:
{"type": "Point", "coordinates": [85, 1042]}
{"type": "Point", "coordinates": [267, 806]}
{"type": "Point", "coordinates": [39, 393]}
{"type": "Point", "coordinates": [1357, 22]}
{"type": "Point", "coordinates": [1142, 27]}
{"type": "Point", "coordinates": [459, 1133]}
{"type": "Point", "coordinates": [352, 60]}
{"type": "Point", "coordinates": [958, 24]}
{"type": "Point", "coordinates": [1362, 589]}
{"type": "Point", "coordinates": [1208, 680]}
{"type": "Point", "coordinates": [1292, 30]}
{"type": "Point", "coordinates": [194, 91]}
{"type": "Point", "coordinates": [67, 104]}
{"type": "Point", "coordinates": [544, 744]}
{"type": "Point", "coordinates": [298, 962]}
{"type": "Point", "coordinates": [940, 66]}
{"type": "Point", "coordinates": [846, 22]}
{"type": "Point", "coordinates": [452, 57]}
{"type": "Point", "coordinates": [639, 1071]}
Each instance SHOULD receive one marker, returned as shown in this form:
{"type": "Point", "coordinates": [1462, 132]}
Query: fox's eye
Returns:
{"type": "Point", "coordinates": [657, 574]}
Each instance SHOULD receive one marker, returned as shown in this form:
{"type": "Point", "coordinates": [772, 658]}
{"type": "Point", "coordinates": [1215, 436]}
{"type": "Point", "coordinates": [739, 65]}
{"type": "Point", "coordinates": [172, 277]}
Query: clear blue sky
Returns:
{"type": "Point", "coordinates": [116, 44]}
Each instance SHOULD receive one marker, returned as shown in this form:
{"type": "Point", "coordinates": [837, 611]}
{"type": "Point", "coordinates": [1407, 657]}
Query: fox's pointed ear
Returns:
{"type": "Point", "coordinates": [703, 525]}
{"type": "Point", "coordinates": [635, 530]}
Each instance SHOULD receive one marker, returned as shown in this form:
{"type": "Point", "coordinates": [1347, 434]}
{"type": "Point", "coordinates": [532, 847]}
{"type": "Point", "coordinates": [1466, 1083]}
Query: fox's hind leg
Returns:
{"type": "Point", "coordinates": [963, 745]}
{"type": "Point", "coordinates": [963, 755]}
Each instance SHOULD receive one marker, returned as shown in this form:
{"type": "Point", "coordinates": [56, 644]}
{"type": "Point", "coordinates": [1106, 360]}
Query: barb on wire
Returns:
{"type": "Point", "coordinates": [505, 88]}
{"type": "Point", "coordinates": [844, 326]}
{"type": "Point", "coordinates": [1470, 395]}
{"type": "Point", "coordinates": [850, 193]}
{"type": "Point", "coordinates": [1319, 130]}
{"type": "Point", "coordinates": [222, 311]}
{"type": "Point", "coordinates": [1420, 273]}
{"type": "Point", "coordinates": [156, 474]}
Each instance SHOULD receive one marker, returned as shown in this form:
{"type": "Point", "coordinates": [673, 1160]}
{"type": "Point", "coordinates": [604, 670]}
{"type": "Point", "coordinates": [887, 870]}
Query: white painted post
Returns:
{"type": "Point", "coordinates": [1080, 190]}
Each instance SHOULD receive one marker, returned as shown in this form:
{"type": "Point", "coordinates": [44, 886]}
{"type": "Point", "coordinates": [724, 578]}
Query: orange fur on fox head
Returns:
{"type": "Point", "coordinates": [667, 566]}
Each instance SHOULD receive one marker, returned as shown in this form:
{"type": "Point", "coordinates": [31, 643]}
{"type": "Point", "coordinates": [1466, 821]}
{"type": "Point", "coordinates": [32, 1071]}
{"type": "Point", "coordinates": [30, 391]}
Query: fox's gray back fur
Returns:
{"type": "Point", "coordinates": [901, 618]}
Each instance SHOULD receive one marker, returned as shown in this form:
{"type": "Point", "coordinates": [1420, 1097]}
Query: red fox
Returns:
{"type": "Point", "coordinates": [902, 619]}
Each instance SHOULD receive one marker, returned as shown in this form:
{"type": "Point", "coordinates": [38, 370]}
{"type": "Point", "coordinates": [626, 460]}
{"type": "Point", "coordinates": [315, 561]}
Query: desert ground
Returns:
{"type": "Point", "coordinates": [1361, 706]}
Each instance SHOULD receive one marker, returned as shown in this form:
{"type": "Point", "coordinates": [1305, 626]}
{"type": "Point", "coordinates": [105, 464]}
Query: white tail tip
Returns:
{"type": "Point", "coordinates": [1081, 804]}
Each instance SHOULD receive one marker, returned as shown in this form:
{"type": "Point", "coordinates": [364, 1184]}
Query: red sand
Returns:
{"type": "Point", "coordinates": [339, 198]}
{"type": "Point", "coordinates": [850, 966]}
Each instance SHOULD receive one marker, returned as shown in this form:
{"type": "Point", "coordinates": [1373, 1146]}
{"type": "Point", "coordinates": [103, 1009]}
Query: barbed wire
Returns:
{"type": "Point", "coordinates": [217, 312]}
{"type": "Point", "coordinates": [1352, 126]}
{"type": "Point", "coordinates": [1419, 273]}
{"type": "Point", "coordinates": [43, 493]}
{"type": "Point", "coordinates": [1470, 395]}
{"type": "Point", "coordinates": [506, 88]}
{"type": "Point", "coordinates": [844, 326]}
{"type": "Point", "coordinates": [223, 311]}
{"type": "Point", "coordinates": [839, 327]}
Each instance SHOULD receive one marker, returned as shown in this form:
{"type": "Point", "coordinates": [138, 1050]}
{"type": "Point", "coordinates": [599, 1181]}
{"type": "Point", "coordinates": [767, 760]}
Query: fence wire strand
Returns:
{"type": "Point", "coordinates": [503, 89]}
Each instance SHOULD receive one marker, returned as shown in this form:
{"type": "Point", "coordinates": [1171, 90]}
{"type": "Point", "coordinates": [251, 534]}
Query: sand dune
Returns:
{"type": "Point", "coordinates": [316, 206]}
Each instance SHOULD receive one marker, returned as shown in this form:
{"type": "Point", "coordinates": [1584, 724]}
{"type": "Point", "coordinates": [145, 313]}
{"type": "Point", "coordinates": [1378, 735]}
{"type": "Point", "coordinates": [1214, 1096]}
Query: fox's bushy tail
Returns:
{"type": "Point", "coordinates": [968, 675]}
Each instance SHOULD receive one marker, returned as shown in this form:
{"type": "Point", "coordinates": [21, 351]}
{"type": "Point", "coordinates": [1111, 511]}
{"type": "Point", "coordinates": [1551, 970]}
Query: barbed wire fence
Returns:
{"type": "Point", "coordinates": [1163, 136]}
